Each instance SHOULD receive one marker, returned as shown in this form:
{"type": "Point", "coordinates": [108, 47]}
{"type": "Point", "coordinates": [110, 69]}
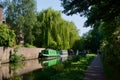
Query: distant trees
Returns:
{"type": "Point", "coordinates": [92, 40]}
{"type": "Point", "coordinates": [7, 36]}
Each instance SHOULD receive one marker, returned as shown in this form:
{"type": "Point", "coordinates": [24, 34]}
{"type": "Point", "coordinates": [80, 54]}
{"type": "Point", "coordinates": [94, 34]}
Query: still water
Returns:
{"type": "Point", "coordinates": [27, 70]}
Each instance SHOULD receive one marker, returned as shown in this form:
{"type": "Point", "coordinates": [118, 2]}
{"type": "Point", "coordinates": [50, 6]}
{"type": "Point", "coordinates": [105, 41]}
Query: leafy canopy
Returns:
{"type": "Point", "coordinates": [94, 10]}
{"type": "Point", "coordinates": [7, 36]}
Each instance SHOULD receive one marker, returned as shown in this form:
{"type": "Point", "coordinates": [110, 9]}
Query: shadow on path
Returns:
{"type": "Point", "coordinates": [95, 70]}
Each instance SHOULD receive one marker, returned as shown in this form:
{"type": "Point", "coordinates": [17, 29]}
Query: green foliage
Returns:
{"type": "Point", "coordinates": [111, 43]}
{"type": "Point", "coordinates": [112, 46]}
{"type": "Point", "coordinates": [7, 36]}
{"type": "Point", "coordinates": [37, 32]}
{"type": "Point", "coordinates": [53, 32]}
{"type": "Point", "coordinates": [49, 30]}
{"type": "Point", "coordinates": [93, 10]}
{"type": "Point", "coordinates": [68, 70]}
{"type": "Point", "coordinates": [20, 15]}
{"type": "Point", "coordinates": [105, 15]}
{"type": "Point", "coordinates": [75, 65]}
{"type": "Point", "coordinates": [29, 46]}
{"type": "Point", "coordinates": [111, 72]}
{"type": "Point", "coordinates": [110, 49]}
{"type": "Point", "coordinates": [15, 57]}
{"type": "Point", "coordinates": [62, 70]}
{"type": "Point", "coordinates": [92, 40]}
{"type": "Point", "coordinates": [17, 46]}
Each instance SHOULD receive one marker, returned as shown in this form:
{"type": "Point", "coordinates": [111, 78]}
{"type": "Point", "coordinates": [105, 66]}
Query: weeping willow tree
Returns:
{"type": "Point", "coordinates": [47, 20]}
{"type": "Point", "coordinates": [73, 34]}
{"type": "Point", "coordinates": [55, 32]}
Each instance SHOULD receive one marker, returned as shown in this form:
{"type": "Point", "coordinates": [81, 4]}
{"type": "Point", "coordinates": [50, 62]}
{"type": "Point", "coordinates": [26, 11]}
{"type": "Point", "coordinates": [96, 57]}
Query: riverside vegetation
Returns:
{"type": "Point", "coordinates": [72, 69]}
{"type": "Point", "coordinates": [49, 30]}
{"type": "Point", "coordinates": [14, 58]}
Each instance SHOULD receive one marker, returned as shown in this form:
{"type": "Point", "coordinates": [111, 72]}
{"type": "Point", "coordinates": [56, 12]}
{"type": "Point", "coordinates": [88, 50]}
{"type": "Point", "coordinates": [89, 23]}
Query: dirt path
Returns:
{"type": "Point", "coordinates": [95, 70]}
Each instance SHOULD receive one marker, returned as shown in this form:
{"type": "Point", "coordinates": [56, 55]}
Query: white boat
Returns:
{"type": "Point", "coordinates": [63, 53]}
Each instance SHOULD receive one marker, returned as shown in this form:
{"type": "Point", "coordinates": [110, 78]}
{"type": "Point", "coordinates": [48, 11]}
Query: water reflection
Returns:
{"type": "Point", "coordinates": [50, 62]}
{"type": "Point", "coordinates": [26, 70]}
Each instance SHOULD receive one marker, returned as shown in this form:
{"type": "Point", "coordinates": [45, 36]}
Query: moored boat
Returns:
{"type": "Point", "coordinates": [49, 53]}
{"type": "Point", "coordinates": [64, 53]}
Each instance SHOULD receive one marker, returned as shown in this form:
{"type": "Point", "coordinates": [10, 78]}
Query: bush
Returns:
{"type": "Point", "coordinates": [15, 57]}
{"type": "Point", "coordinates": [17, 46]}
{"type": "Point", "coordinates": [29, 46]}
{"type": "Point", "coordinates": [7, 36]}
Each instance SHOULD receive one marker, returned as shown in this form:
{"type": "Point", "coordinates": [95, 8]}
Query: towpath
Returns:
{"type": "Point", "coordinates": [95, 70]}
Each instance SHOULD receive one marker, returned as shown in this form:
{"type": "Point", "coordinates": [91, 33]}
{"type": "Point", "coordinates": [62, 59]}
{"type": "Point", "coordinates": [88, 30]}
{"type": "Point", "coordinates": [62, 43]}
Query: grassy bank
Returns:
{"type": "Point", "coordinates": [72, 69]}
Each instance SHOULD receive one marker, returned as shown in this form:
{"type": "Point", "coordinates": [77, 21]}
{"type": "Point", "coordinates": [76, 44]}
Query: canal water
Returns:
{"type": "Point", "coordinates": [27, 70]}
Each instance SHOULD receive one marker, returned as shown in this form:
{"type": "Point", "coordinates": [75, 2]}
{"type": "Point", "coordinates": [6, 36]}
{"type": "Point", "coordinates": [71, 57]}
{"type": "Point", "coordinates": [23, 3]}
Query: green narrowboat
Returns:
{"type": "Point", "coordinates": [50, 52]}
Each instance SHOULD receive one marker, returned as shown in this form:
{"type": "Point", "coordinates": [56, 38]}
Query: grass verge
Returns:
{"type": "Point", "coordinates": [72, 69]}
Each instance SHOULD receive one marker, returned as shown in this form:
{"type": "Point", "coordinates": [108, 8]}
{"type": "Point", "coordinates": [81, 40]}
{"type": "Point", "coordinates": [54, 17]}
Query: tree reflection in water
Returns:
{"type": "Point", "coordinates": [29, 70]}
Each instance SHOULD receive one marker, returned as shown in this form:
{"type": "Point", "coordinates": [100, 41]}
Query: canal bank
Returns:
{"type": "Point", "coordinates": [19, 70]}
{"type": "Point", "coordinates": [28, 53]}
{"type": "Point", "coordinates": [76, 65]}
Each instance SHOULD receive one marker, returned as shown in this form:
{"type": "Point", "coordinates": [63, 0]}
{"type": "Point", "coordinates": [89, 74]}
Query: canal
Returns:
{"type": "Point", "coordinates": [27, 70]}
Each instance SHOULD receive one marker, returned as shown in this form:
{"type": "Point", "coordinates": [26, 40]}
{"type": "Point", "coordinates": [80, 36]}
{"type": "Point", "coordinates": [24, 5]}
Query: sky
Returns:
{"type": "Point", "coordinates": [56, 5]}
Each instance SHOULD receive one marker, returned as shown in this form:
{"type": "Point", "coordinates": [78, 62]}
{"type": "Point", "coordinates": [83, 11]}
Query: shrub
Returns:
{"type": "Point", "coordinates": [29, 46]}
{"type": "Point", "coordinates": [15, 57]}
{"type": "Point", "coordinates": [7, 36]}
